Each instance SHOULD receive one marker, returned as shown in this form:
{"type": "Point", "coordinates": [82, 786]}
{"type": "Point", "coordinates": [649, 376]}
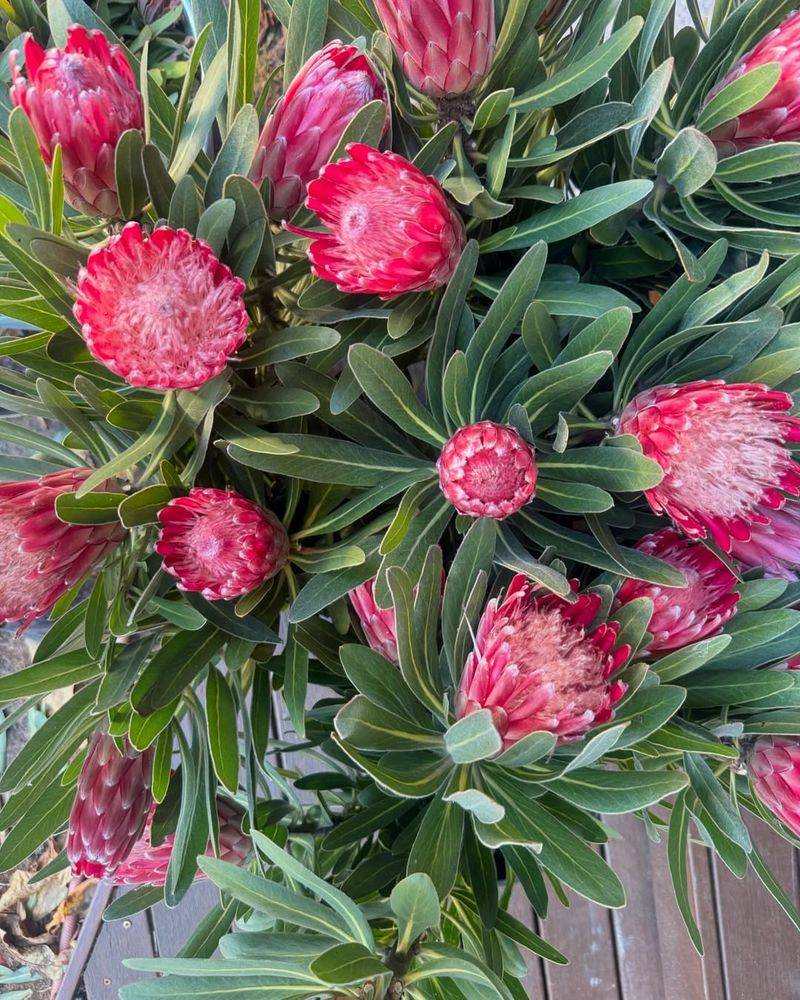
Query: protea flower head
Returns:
{"type": "Point", "coordinates": [147, 865]}
{"type": "Point", "coordinates": [219, 543]}
{"type": "Point", "coordinates": [308, 121]}
{"type": "Point", "coordinates": [539, 665]}
{"type": "Point", "coordinates": [379, 624]}
{"type": "Point", "coordinates": [775, 544]}
{"type": "Point", "coordinates": [776, 117]}
{"type": "Point", "coordinates": [487, 470]}
{"type": "Point", "coordinates": [161, 311]}
{"type": "Point", "coordinates": [391, 228]}
{"type": "Point", "coordinates": [445, 47]}
{"type": "Point", "coordinates": [110, 807]}
{"type": "Point", "coordinates": [723, 451]}
{"type": "Point", "coordinates": [682, 615]}
{"type": "Point", "coordinates": [41, 557]}
{"type": "Point", "coordinates": [84, 97]}
{"type": "Point", "coordinates": [773, 765]}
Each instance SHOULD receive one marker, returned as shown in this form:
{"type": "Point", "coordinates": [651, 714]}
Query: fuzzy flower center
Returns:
{"type": "Point", "coordinates": [543, 644]}
{"type": "Point", "coordinates": [726, 457]}
{"type": "Point", "coordinates": [216, 550]}
{"type": "Point", "coordinates": [492, 475]}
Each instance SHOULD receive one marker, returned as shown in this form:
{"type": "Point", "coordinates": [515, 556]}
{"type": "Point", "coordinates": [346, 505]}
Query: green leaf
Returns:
{"type": "Point", "coordinates": [714, 688]}
{"type": "Point", "coordinates": [559, 388]}
{"type": "Point", "coordinates": [47, 675]}
{"type": "Point", "coordinates": [622, 470]}
{"type": "Point", "coordinates": [305, 35]}
{"type": "Point", "coordinates": [347, 964]}
{"type": "Point", "coordinates": [415, 903]}
{"type": "Point", "coordinates": [677, 854]}
{"type": "Point", "coordinates": [473, 738]}
{"type": "Point", "coordinates": [391, 392]}
{"type": "Point", "coordinates": [416, 664]}
{"type": "Point", "coordinates": [32, 168]}
{"type": "Point", "coordinates": [174, 666]}
{"type": "Point", "coordinates": [474, 554]}
{"type": "Point", "coordinates": [129, 174]}
{"type": "Point", "coordinates": [617, 791]}
{"type": "Point", "coordinates": [236, 153]}
{"type": "Point", "coordinates": [715, 800]}
{"type": "Point", "coordinates": [739, 96]}
{"type": "Point", "coordinates": [295, 683]}
{"type": "Point", "coordinates": [483, 808]}
{"type": "Point", "coordinates": [684, 661]}
{"type": "Point", "coordinates": [369, 727]}
{"type": "Point", "coordinates": [528, 750]}
{"type": "Point", "coordinates": [45, 815]}
{"type": "Point", "coordinates": [689, 161]}
{"type": "Point", "coordinates": [202, 113]}
{"type": "Point", "coordinates": [379, 681]}
{"type": "Point", "coordinates": [646, 711]}
{"type": "Point", "coordinates": [437, 846]}
{"type": "Point", "coordinates": [223, 738]}
{"type": "Point", "coordinates": [192, 832]}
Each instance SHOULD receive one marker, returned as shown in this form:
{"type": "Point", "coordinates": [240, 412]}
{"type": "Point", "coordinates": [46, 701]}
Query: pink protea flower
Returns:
{"type": "Point", "coordinates": [538, 665]}
{"type": "Point", "coordinates": [160, 311]}
{"type": "Point", "coordinates": [392, 230]}
{"type": "Point", "coordinates": [379, 624]}
{"type": "Point", "coordinates": [219, 543]}
{"type": "Point", "coordinates": [773, 766]}
{"type": "Point", "coordinates": [776, 117]}
{"type": "Point", "coordinates": [446, 47]}
{"type": "Point", "coordinates": [147, 865]}
{"type": "Point", "coordinates": [84, 97]}
{"type": "Point", "coordinates": [487, 470]}
{"type": "Point", "coordinates": [723, 451]}
{"type": "Point", "coordinates": [682, 615]}
{"type": "Point", "coordinates": [773, 545]}
{"type": "Point", "coordinates": [41, 557]}
{"type": "Point", "coordinates": [308, 121]}
{"type": "Point", "coordinates": [110, 807]}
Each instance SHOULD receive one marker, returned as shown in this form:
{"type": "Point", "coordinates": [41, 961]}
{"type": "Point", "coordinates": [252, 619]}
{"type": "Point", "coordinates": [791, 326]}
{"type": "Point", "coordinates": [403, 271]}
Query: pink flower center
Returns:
{"type": "Point", "coordinates": [554, 652]}
{"type": "Point", "coordinates": [725, 458]}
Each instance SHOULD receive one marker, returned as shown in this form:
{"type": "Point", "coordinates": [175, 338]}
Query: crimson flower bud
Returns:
{"type": "Point", "coordinates": [84, 97]}
{"type": "Point", "coordinates": [682, 615]}
{"type": "Point", "coordinates": [308, 121]}
{"type": "Point", "coordinates": [723, 449]}
{"type": "Point", "coordinates": [487, 470]}
{"type": "Point", "coordinates": [446, 47]}
{"type": "Point", "coordinates": [219, 543]}
{"type": "Point", "coordinates": [379, 624]}
{"type": "Point", "coordinates": [539, 665]}
{"type": "Point", "coordinates": [110, 808]}
{"type": "Point", "coordinates": [391, 228]}
{"type": "Point", "coordinates": [41, 557]}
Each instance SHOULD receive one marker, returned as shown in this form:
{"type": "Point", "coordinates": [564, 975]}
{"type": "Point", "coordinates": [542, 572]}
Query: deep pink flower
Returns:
{"type": "Point", "coordinates": [160, 311]}
{"type": "Point", "coordinates": [446, 47]}
{"type": "Point", "coordinates": [41, 557]}
{"type": "Point", "coordinates": [723, 451]}
{"type": "Point", "coordinates": [308, 121]}
{"type": "Point", "coordinates": [776, 117]}
{"type": "Point", "coordinates": [392, 230]}
{"type": "Point", "coordinates": [774, 544]}
{"type": "Point", "coordinates": [110, 807]}
{"type": "Point", "coordinates": [682, 615]}
{"type": "Point", "coordinates": [487, 470]}
{"type": "Point", "coordinates": [773, 765]}
{"type": "Point", "coordinates": [147, 865]}
{"type": "Point", "coordinates": [379, 624]}
{"type": "Point", "coordinates": [84, 97]}
{"type": "Point", "coordinates": [539, 665]}
{"type": "Point", "coordinates": [219, 543]}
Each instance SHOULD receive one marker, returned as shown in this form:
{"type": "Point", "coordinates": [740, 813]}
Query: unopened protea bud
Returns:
{"type": "Point", "coordinates": [379, 624]}
{"type": "Point", "coordinates": [682, 615]}
{"type": "Point", "coordinates": [84, 97]}
{"type": "Point", "coordinates": [219, 543]}
{"type": "Point", "coordinates": [487, 470]}
{"type": "Point", "coordinates": [41, 557]}
{"type": "Point", "coordinates": [391, 228]}
{"type": "Point", "coordinates": [110, 808]}
{"type": "Point", "coordinates": [539, 664]}
{"type": "Point", "coordinates": [161, 311]}
{"type": "Point", "coordinates": [308, 121]}
{"type": "Point", "coordinates": [723, 449]}
{"type": "Point", "coordinates": [147, 865]}
{"type": "Point", "coordinates": [776, 117]}
{"type": "Point", "coordinates": [773, 765]}
{"type": "Point", "coordinates": [445, 47]}
{"type": "Point", "coordinates": [774, 545]}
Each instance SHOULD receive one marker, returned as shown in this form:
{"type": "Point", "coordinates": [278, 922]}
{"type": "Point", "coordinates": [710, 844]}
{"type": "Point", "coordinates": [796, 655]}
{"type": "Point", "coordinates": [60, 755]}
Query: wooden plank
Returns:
{"type": "Point", "coordinates": [701, 866]}
{"type": "Point", "coordinates": [759, 943]}
{"type": "Point", "coordinates": [655, 957]}
{"type": "Point", "coordinates": [534, 982]}
{"type": "Point", "coordinates": [173, 928]}
{"type": "Point", "coordinates": [105, 973]}
{"type": "Point", "coordinates": [582, 931]}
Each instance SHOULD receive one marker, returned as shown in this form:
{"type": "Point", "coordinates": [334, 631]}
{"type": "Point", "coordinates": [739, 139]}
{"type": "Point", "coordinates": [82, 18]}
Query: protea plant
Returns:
{"type": "Point", "coordinates": [82, 97]}
{"type": "Point", "coordinates": [379, 624]}
{"type": "Point", "coordinates": [112, 800]}
{"type": "Point", "coordinates": [773, 766]}
{"type": "Point", "coordinates": [43, 556]}
{"type": "Point", "coordinates": [307, 123]}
